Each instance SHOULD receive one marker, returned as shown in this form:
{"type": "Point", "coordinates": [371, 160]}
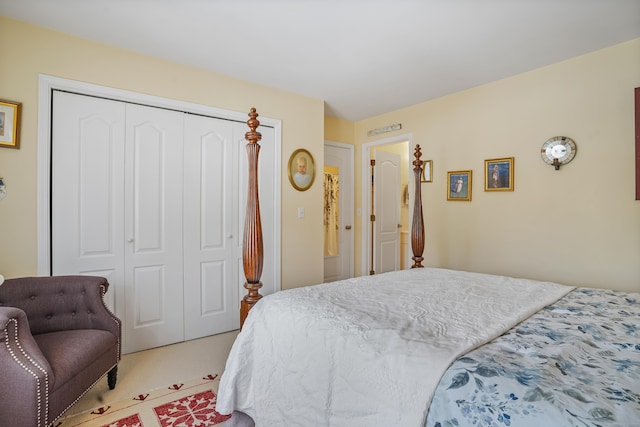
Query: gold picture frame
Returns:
{"type": "Point", "coordinates": [459, 186]}
{"type": "Point", "coordinates": [301, 169]}
{"type": "Point", "coordinates": [427, 171]}
{"type": "Point", "coordinates": [498, 174]}
{"type": "Point", "coordinates": [9, 124]}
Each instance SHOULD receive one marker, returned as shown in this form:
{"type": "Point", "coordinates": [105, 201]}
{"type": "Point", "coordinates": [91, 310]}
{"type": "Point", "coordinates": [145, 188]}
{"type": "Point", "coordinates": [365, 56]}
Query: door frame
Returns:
{"type": "Point", "coordinates": [366, 192]}
{"type": "Point", "coordinates": [47, 84]}
{"type": "Point", "coordinates": [351, 217]}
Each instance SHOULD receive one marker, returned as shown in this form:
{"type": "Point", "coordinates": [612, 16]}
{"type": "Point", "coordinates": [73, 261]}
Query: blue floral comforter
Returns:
{"type": "Point", "coordinates": [574, 363]}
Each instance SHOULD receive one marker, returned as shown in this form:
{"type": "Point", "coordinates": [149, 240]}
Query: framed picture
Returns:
{"type": "Point", "coordinates": [9, 124]}
{"type": "Point", "coordinates": [498, 174]}
{"type": "Point", "coordinates": [302, 169]}
{"type": "Point", "coordinates": [427, 171]}
{"type": "Point", "coordinates": [459, 186]}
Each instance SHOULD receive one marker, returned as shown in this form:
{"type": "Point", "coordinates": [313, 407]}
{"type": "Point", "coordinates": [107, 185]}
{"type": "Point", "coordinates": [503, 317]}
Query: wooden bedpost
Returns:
{"type": "Point", "coordinates": [417, 225]}
{"type": "Point", "coordinates": [252, 250]}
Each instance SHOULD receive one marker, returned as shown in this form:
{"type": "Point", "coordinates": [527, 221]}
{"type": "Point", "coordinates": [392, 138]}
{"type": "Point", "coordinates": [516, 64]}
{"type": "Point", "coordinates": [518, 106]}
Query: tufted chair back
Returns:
{"type": "Point", "coordinates": [59, 302]}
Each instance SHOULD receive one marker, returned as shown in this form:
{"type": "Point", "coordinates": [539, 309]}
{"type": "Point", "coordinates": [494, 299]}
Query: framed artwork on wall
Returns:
{"type": "Point", "coordinates": [459, 186]}
{"type": "Point", "coordinates": [427, 171]}
{"type": "Point", "coordinates": [498, 174]}
{"type": "Point", "coordinates": [301, 169]}
{"type": "Point", "coordinates": [9, 124]}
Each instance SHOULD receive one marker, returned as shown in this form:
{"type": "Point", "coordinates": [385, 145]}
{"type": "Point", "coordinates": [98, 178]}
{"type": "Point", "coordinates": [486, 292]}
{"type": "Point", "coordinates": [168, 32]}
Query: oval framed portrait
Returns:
{"type": "Point", "coordinates": [302, 169]}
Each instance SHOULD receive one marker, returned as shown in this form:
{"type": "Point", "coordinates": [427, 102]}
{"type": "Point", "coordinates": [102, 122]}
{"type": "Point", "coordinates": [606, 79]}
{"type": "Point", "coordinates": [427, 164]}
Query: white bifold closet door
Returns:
{"type": "Point", "coordinates": [213, 235]}
{"type": "Point", "coordinates": [149, 198]}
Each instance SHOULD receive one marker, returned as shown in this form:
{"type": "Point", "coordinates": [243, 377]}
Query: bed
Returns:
{"type": "Point", "coordinates": [435, 347]}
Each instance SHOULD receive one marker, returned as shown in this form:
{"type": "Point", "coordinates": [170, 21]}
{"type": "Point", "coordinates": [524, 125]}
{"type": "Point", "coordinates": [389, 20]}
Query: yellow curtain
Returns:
{"type": "Point", "coordinates": [330, 212]}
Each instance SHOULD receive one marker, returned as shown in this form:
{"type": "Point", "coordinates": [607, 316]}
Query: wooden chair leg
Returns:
{"type": "Point", "coordinates": [112, 377]}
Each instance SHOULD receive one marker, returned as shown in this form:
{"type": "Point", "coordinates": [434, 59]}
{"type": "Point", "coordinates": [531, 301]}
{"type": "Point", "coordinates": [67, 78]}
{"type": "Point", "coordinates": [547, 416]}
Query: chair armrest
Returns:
{"type": "Point", "coordinates": [25, 371]}
{"type": "Point", "coordinates": [60, 303]}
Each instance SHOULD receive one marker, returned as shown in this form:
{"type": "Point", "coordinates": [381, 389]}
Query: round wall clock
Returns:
{"type": "Point", "coordinates": [558, 151]}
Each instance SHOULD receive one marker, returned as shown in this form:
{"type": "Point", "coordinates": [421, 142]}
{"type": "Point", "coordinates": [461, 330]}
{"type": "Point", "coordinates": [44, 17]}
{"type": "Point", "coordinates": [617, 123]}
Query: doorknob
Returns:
{"type": "Point", "coordinates": [347, 227]}
{"type": "Point", "coordinates": [399, 225]}
{"type": "Point", "coordinates": [130, 239]}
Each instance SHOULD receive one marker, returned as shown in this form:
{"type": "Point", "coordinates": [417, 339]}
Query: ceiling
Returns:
{"type": "Point", "coordinates": [363, 58]}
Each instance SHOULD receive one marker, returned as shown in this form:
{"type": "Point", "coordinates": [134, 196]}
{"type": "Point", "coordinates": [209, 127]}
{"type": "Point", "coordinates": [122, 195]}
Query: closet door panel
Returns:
{"type": "Point", "coordinates": [87, 153]}
{"type": "Point", "coordinates": [211, 176]}
{"type": "Point", "coordinates": [148, 283]}
{"type": "Point", "coordinates": [149, 185]}
{"type": "Point", "coordinates": [210, 187]}
{"type": "Point", "coordinates": [153, 227]}
{"type": "Point", "coordinates": [213, 295]}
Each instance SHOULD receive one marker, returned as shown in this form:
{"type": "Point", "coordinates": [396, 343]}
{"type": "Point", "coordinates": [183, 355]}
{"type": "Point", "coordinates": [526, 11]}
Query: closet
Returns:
{"type": "Point", "coordinates": [153, 199]}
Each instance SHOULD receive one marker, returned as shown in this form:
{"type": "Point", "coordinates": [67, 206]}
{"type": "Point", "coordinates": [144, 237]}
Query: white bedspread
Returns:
{"type": "Point", "coordinates": [368, 351]}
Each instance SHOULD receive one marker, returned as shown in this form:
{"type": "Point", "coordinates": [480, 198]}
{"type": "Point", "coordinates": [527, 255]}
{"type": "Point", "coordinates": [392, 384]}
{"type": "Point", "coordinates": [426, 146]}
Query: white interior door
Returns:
{"type": "Point", "coordinates": [117, 209]}
{"type": "Point", "coordinates": [338, 258]}
{"type": "Point", "coordinates": [387, 211]}
{"type": "Point", "coordinates": [153, 227]}
{"type": "Point", "coordinates": [211, 228]}
{"type": "Point", "coordinates": [87, 185]}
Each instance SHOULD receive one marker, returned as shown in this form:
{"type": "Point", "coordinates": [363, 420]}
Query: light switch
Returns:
{"type": "Point", "coordinates": [300, 212]}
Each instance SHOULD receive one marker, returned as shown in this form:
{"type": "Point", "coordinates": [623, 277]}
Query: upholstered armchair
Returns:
{"type": "Point", "coordinates": [57, 339]}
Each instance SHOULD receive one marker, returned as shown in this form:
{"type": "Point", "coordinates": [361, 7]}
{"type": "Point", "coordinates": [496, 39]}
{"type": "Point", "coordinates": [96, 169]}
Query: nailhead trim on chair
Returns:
{"type": "Point", "coordinates": [103, 290]}
{"type": "Point", "coordinates": [26, 368]}
{"type": "Point", "coordinates": [81, 396]}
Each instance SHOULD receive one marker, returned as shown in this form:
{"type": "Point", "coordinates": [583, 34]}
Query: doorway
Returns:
{"type": "Point", "coordinates": [338, 211]}
{"type": "Point", "coordinates": [388, 241]}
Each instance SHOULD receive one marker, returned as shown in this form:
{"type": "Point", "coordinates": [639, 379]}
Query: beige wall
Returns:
{"type": "Point", "coordinates": [338, 130]}
{"type": "Point", "coordinates": [579, 225]}
{"type": "Point", "coordinates": [35, 50]}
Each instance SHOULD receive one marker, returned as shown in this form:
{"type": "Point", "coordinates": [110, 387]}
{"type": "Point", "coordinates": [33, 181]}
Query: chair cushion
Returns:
{"type": "Point", "coordinates": [69, 352]}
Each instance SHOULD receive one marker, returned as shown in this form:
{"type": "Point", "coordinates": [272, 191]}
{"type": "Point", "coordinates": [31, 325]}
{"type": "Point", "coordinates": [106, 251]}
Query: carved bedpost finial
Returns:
{"type": "Point", "coordinates": [417, 225]}
{"type": "Point", "coordinates": [417, 154]}
{"type": "Point", "coordinates": [252, 136]}
{"type": "Point", "coordinates": [252, 248]}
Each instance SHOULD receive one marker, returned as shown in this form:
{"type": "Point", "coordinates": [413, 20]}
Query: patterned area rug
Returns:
{"type": "Point", "coordinates": [190, 404]}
